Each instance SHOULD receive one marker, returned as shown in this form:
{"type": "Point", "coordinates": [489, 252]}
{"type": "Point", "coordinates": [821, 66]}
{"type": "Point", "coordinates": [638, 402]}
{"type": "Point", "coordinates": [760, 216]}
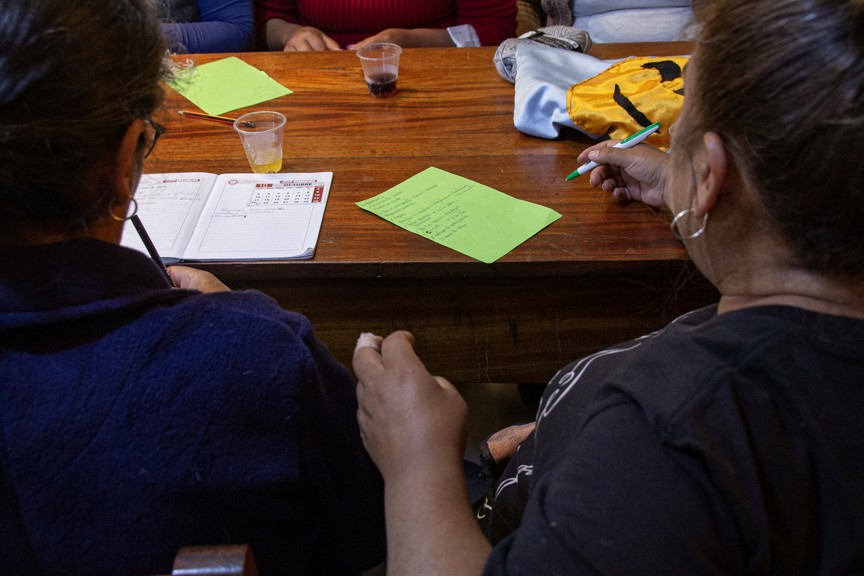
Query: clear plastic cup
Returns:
{"type": "Point", "coordinates": [380, 67]}
{"type": "Point", "coordinates": [262, 134]}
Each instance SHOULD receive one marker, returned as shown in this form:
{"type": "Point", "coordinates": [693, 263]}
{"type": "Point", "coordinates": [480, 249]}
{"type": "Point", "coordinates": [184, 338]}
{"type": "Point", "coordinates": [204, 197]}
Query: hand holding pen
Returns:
{"type": "Point", "coordinates": [639, 173]}
{"type": "Point", "coordinates": [628, 142]}
{"type": "Point", "coordinates": [190, 278]}
{"type": "Point", "coordinates": [187, 278]}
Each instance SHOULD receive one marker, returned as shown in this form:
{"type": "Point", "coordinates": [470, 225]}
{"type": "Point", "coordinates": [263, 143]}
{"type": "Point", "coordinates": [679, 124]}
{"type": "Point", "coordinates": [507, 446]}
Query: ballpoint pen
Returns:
{"type": "Point", "coordinates": [151, 248]}
{"type": "Point", "coordinates": [628, 142]}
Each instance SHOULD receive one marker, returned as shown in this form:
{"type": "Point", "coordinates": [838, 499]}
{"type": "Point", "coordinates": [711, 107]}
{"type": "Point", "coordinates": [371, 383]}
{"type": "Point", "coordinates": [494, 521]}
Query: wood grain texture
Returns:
{"type": "Point", "coordinates": [602, 273]}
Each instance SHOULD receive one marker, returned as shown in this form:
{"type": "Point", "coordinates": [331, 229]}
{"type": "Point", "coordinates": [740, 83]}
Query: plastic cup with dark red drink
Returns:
{"type": "Point", "coordinates": [380, 67]}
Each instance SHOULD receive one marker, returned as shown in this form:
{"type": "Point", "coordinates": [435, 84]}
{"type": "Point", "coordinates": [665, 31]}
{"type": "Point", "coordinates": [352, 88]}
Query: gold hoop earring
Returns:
{"type": "Point", "coordinates": [673, 226]}
{"type": "Point", "coordinates": [134, 203]}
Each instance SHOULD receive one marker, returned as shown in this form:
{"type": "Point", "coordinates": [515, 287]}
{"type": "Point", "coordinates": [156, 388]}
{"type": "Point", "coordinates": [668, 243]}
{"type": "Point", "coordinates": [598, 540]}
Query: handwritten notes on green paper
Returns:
{"type": "Point", "coordinates": [461, 214]}
{"type": "Point", "coordinates": [227, 84]}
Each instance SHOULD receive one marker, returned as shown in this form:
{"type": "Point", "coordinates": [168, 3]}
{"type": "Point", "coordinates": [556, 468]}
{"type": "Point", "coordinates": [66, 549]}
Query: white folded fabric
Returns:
{"type": "Point", "coordinates": [545, 75]}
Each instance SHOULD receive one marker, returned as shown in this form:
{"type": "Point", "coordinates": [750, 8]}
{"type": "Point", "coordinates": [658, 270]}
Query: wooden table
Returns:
{"type": "Point", "coordinates": [602, 273]}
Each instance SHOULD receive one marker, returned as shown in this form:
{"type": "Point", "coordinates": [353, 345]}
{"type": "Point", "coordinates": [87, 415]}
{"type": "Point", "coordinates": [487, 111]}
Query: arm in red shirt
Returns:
{"type": "Point", "coordinates": [493, 20]}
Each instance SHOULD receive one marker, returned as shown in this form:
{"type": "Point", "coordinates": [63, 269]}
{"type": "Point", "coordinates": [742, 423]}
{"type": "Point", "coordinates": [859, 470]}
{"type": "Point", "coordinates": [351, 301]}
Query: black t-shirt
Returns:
{"type": "Point", "coordinates": [730, 444]}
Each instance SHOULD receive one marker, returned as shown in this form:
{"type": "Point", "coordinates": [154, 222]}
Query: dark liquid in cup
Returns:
{"type": "Point", "coordinates": [382, 85]}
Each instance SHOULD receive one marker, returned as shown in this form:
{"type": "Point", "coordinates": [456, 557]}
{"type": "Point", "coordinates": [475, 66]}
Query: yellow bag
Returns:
{"type": "Point", "coordinates": [628, 96]}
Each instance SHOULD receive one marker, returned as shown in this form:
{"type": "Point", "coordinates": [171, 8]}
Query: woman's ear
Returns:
{"type": "Point", "coordinates": [712, 174]}
{"type": "Point", "coordinates": [127, 166]}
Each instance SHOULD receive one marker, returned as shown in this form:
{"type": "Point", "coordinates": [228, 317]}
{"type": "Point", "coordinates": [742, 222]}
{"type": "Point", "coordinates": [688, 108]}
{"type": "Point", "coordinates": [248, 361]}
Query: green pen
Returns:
{"type": "Point", "coordinates": [628, 142]}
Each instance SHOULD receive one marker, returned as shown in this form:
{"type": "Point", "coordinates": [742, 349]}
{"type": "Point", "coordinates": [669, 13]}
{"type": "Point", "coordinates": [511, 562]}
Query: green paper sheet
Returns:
{"type": "Point", "coordinates": [227, 84]}
{"type": "Point", "coordinates": [461, 214]}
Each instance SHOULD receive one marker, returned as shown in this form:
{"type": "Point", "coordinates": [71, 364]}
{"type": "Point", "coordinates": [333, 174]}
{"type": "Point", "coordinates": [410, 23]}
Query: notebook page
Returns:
{"type": "Point", "coordinates": [261, 217]}
{"type": "Point", "coordinates": [169, 206]}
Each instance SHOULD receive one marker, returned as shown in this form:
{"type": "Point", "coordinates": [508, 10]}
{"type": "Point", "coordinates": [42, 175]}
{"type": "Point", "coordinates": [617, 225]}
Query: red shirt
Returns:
{"type": "Point", "coordinates": [349, 21]}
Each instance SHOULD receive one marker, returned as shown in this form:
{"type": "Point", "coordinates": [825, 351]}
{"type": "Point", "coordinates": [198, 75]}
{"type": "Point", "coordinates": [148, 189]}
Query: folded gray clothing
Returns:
{"type": "Point", "coordinates": [563, 37]}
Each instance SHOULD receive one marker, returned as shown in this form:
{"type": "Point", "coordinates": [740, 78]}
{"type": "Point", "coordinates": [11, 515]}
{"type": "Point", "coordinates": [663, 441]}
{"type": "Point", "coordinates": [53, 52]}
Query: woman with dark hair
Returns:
{"type": "Point", "coordinates": [137, 418]}
{"type": "Point", "coordinates": [198, 26]}
{"type": "Point", "coordinates": [730, 441]}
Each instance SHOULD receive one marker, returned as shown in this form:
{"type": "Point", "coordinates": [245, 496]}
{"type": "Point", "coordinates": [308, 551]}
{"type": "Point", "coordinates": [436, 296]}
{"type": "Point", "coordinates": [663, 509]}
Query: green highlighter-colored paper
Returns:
{"type": "Point", "coordinates": [461, 214]}
{"type": "Point", "coordinates": [227, 84]}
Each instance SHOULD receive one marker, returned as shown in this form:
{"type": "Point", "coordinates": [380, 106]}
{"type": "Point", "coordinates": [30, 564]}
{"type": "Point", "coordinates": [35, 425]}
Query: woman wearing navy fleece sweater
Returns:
{"type": "Point", "coordinates": [137, 417]}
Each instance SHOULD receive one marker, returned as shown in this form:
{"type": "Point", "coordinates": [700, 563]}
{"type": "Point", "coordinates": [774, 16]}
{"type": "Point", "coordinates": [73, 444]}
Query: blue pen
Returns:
{"type": "Point", "coordinates": [628, 142]}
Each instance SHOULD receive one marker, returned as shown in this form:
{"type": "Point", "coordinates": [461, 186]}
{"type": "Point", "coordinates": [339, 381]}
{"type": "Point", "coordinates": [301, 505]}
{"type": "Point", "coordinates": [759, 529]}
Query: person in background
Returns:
{"type": "Point", "coordinates": [137, 418]}
{"type": "Point", "coordinates": [197, 26]}
{"type": "Point", "coordinates": [732, 440]}
{"type": "Point", "coordinates": [622, 20]}
{"type": "Point", "coordinates": [305, 25]}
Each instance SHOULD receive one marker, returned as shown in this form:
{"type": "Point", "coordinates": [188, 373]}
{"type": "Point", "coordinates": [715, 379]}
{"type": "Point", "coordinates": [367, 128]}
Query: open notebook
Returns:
{"type": "Point", "coordinates": [197, 216]}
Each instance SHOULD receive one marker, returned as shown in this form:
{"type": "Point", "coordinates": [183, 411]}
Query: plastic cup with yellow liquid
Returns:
{"type": "Point", "coordinates": [262, 134]}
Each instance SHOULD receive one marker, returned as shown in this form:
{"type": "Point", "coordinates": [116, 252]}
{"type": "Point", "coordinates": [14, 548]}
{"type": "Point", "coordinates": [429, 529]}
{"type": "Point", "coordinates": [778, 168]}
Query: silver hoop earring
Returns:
{"type": "Point", "coordinates": [134, 203]}
{"type": "Point", "coordinates": [673, 226]}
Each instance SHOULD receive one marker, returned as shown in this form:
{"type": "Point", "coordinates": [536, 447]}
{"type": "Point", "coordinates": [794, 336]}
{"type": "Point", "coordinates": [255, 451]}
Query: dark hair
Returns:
{"type": "Point", "coordinates": [73, 75]}
{"type": "Point", "coordinates": [783, 83]}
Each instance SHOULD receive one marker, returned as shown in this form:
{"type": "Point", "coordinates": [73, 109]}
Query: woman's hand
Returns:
{"type": "Point", "coordinates": [290, 37]}
{"type": "Point", "coordinates": [414, 425]}
{"type": "Point", "coordinates": [638, 173]}
{"type": "Point", "coordinates": [309, 39]}
{"type": "Point", "coordinates": [409, 38]}
{"type": "Point", "coordinates": [194, 279]}
{"type": "Point", "coordinates": [408, 418]}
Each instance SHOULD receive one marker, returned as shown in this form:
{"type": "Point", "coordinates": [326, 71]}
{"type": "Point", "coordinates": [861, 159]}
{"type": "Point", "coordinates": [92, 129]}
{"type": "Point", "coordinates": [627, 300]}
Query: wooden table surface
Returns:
{"type": "Point", "coordinates": [602, 273]}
